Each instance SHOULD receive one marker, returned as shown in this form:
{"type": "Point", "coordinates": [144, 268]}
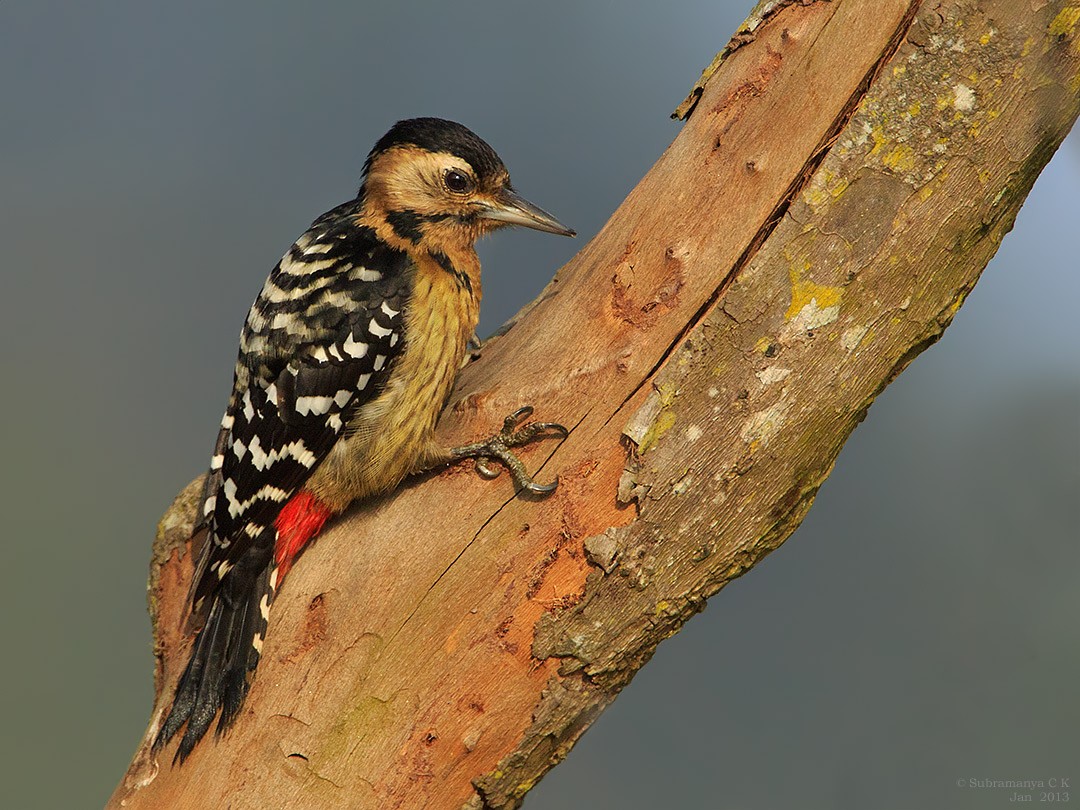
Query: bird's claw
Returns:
{"type": "Point", "coordinates": [498, 448]}
{"type": "Point", "coordinates": [486, 471]}
{"type": "Point", "coordinates": [513, 436]}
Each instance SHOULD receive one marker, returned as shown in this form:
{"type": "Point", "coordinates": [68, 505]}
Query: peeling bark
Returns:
{"type": "Point", "coordinates": [845, 173]}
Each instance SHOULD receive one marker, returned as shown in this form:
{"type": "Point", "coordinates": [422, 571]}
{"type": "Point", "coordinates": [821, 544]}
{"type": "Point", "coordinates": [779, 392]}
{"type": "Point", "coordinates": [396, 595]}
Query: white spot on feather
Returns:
{"type": "Point", "coordinates": [296, 450]}
{"type": "Point", "coordinates": [354, 348]}
{"type": "Point", "coordinates": [302, 268]}
{"type": "Point", "coordinates": [316, 406]}
{"type": "Point", "coordinates": [266, 493]}
{"type": "Point", "coordinates": [378, 331]}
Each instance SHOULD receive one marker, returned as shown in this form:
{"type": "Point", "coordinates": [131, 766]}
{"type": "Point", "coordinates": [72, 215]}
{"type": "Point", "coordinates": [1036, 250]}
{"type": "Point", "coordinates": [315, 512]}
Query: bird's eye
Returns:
{"type": "Point", "coordinates": [457, 182]}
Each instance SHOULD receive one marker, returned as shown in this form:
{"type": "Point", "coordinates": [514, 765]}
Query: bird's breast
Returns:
{"type": "Point", "coordinates": [387, 436]}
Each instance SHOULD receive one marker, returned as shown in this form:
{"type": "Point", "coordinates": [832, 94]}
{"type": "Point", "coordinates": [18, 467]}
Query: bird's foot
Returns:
{"type": "Point", "coordinates": [498, 448]}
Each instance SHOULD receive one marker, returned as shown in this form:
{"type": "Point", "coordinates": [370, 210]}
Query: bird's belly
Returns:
{"type": "Point", "coordinates": [387, 437]}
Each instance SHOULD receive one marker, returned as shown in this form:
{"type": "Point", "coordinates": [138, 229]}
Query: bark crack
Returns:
{"type": "Point", "coordinates": [797, 186]}
{"type": "Point", "coordinates": [476, 536]}
{"type": "Point", "coordinates": [747, 33]}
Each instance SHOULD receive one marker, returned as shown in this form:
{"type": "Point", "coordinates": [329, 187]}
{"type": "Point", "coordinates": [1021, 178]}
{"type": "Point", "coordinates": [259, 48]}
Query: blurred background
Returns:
{"type": "Point", "coordinates": [917, 632]}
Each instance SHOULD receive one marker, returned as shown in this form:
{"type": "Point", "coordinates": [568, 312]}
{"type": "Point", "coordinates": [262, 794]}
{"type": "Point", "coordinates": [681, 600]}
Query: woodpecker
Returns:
{"type": "Point", "coordinates": [346, 359]}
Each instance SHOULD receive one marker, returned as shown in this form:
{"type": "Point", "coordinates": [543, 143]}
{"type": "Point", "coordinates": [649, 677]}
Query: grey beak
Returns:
{"type": "Point", "coordinates": [513, 209]}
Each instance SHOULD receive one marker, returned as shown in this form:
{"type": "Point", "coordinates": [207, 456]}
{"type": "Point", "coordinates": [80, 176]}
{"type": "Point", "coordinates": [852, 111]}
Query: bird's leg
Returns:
{"type": "Point", "coordinates": [498, 447]}
{"type": "Point", "coordinates": [473, 347]}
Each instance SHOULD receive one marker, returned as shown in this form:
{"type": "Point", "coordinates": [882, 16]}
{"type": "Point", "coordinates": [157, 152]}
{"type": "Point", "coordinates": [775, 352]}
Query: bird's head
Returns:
{"type": "Point", "coordinates": [435, 181]}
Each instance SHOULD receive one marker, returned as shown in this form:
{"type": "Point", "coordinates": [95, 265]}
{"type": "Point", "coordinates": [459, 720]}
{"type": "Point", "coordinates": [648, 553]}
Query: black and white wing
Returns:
{"type": "Point", "coordinates": [319, 342]}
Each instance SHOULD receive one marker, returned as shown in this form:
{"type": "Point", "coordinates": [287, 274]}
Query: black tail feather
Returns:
{"type": "Point", "coordinates": [244, 657]}
{"type": "Point", "coordinates": [226, 652]}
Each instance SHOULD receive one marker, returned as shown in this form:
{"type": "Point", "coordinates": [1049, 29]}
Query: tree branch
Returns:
{"type": "Point", "coordinates": [845, 173]}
